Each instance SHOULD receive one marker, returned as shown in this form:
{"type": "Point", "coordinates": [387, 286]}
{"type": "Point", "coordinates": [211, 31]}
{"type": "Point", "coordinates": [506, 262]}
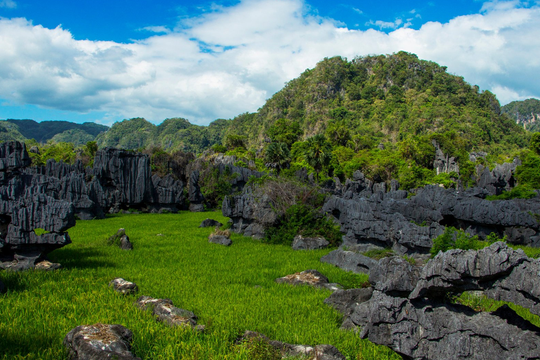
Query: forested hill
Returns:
{"type": "Point", "coordinates": [525, 113]}
{"type": "Point", "coordinates": [381, 99]}
{"type": "Point", "coordinates": [57, 131]}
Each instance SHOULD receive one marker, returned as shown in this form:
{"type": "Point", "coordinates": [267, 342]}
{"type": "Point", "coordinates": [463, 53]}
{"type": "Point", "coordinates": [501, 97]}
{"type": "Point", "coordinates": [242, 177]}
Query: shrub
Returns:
{"type": "Point", "coordinates": [519, 192]}
{"type": "Point", "coordinates": [453, 238]}
{"type": "Point", "coordinates": [301, 219]}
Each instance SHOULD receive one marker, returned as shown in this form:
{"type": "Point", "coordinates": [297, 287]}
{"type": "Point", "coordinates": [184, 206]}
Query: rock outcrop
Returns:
{"type": "Point", "coordinates": [99, 342]}
{"type": "Point", "coordinates": [309, 243]}
{"type": "Point", "coordinates": [409, 224]}
{"type": "Point", "coordinates": [407, 310]}
{"type": "Point", "coordinates": [250, 215]}
{"type": "Point", "coordinates": [32, 222]}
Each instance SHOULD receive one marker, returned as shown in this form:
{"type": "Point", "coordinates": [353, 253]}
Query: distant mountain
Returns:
{"type": "Point", "coordinates": [525, 113]}
{"type": "Point", "coordinates": [47, 130]}
{"type": "Point", "coordinates": [172, 134]}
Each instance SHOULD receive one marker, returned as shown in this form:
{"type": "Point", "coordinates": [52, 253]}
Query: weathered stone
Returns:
{"type": "Point", "coordinates": [319, 352]}
{"type": "Point", "coordinates": [123, 287]}
{"type": "Point", "coordinates": [166, 312]}
{"type": "Point", "coordinates": [220, 239]}
{"type": "Point", "coordinates": [426, 330]}
{"type": "Point", "coordinates": [250, 215]}
{"type": "Point", "coordinates": [309, 277]}
{"type": "Point", "coordinates": [210, 223]}
{"type": "Point", "coordinates": [443, 163]}
{"type": "Point", "coordinates": [350, 261]}
{"type": "Point", "coordinates": [98, 342]}
{"type": "Point", "coordinates": [121, 239]}
{"type": "Point", "coordinates": [460, 270]}
{"type": "Point", "coordinates": [309, 243]}
{"type": "Point", "coordinates": [47, 265]}
{"type": "Point", "coordinates": [125, 244]}
{"type": "Point", "coordinates": [345, 301]}
{"type": "Point", "coordinates": [394, 276]}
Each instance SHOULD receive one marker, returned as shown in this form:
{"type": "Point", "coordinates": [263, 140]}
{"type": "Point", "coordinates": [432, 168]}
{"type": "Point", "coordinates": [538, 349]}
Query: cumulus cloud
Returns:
{"type": "Point", "coordinates": [231, 59]}
{"type": "Point", "coordinates": [10, 4]}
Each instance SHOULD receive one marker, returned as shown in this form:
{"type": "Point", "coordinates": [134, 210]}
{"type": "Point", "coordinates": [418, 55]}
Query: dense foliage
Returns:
{"type": "Point", "coordinates": [526, 113]}
{"type": "Point", "coordinates": [46, 130]}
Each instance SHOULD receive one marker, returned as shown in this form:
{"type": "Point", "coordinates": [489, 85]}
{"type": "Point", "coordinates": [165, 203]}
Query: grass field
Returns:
{"type": "Point", "coordinates": [231, 289]}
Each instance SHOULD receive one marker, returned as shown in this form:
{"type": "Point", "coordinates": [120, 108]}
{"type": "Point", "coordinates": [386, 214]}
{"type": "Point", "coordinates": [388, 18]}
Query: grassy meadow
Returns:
{"type": "Point", "coordinates": [231, 289]}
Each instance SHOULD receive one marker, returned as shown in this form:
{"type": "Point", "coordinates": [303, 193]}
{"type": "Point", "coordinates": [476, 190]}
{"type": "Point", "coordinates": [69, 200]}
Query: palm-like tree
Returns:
{"type": "Point", "coordinates": [318, 153]}
{"type": "Point", "coordinates": [277, 156]}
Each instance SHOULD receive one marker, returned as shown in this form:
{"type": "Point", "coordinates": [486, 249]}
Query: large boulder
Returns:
{"type": "Point", "coordinates": [309, 243]}
{"type": "Point", "coordinates": [99, 342]}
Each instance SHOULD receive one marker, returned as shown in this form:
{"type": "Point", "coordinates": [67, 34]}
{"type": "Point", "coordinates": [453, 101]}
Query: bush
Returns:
{"type": "Point", "coordinates": [453, 238]}
{"type": "Point", "coordinates": [519, 192]}
{"type": "Point", "coordinates": [300, 219]}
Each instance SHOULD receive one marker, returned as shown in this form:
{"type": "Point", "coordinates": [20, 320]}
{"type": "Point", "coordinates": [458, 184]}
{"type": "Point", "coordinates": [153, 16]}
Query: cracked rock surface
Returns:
{"type": "Point", "coordinates": [99, 342]}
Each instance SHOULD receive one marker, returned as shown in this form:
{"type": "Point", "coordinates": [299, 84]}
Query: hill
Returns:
{"type": "Point", "coordinates": [525, 113]}
{"type": "Point", "coordinates": [383, 99]}
{"type": "Point", "coordinates": [172, 134]}
{"type": "Point", "coordinates": [46, 130]}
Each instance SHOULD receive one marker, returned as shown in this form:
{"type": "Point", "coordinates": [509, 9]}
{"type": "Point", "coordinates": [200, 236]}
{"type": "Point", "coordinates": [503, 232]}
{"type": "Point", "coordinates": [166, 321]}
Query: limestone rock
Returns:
{"type": "Point", "coordinates": [350, 261]}
{"type": "Point", "coordinates": [314, 243]}
{"type": "Point", "coordinates": [309, 277]}
{"type": "Point", "coordinates": [425, 330]}
{"type": "Point", "coordinates": [210, 223]}
{"type": "Point", "coordinates": [394, 276]}
{"type": "Point", "coordinates": [123, 287]}
{"type": "Point", "coordinates": [319, 352]}
{"type": "Point", "coordinates": [166, 312]}
{"type": "Point", "coordinates": [98, 342]}
{"type": "Point", "coordinates": [220, 239]}
{"type": "Point", "coordinates": [345, 301]}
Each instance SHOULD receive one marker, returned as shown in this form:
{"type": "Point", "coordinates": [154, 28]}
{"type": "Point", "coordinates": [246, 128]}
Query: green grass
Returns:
{"type": "Point", "coordinates": [483, 303]}
{"type": "Point", "coordinates": [231, 289]}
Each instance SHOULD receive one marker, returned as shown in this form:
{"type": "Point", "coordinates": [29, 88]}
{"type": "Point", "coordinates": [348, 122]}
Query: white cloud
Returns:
{"type": "Point", "coordinates": [10, 4]}
{"type": "Point", "coordinates": [231, 59]}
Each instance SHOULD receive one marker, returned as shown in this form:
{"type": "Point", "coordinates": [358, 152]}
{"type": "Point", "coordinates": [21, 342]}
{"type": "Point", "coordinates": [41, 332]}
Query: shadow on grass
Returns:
{"type": "Point", "coordinates": [81, 258]}
{"type": "Point", "coordinates": [15, 345]}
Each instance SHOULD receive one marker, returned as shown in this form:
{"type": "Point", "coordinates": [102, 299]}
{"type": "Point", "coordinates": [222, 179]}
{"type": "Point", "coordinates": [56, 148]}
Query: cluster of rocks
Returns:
{"type": "Point", "coordinates": [33, 222]}
{"type": "Point", "coordinates": [119, 179]}
{"type": "Point", "coordinates": [408, 308]}
{"type": "Point", "coordinates": [372, 218]}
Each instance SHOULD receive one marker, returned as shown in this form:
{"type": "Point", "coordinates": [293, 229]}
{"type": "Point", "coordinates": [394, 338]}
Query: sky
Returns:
{"type": "Point", "coordinates": [105, 61]}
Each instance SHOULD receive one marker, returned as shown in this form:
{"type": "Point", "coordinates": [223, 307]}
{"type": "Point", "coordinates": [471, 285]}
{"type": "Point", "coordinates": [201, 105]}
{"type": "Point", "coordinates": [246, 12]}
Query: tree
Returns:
{"type": "Point", "coordinates": [284, 131]}
{"type": "Point", "coordinates": [319, 153]}
{"type": "Point", "coordinates": [233, 141]}
{"type": "Point", "coordinates": [534, 145]}
{"type": "Point", "coordinates": [277, 156]}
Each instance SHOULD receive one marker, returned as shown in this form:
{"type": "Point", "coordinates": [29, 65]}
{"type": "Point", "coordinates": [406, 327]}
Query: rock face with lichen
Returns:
{"type": "Point", "coordinates": [408, 311]}
{"type": "Point", "coordinates": [99, 342]}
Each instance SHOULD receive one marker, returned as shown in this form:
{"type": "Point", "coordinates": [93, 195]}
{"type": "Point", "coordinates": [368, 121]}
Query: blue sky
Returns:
{"type": "Point", "coordinates": [105, 61]}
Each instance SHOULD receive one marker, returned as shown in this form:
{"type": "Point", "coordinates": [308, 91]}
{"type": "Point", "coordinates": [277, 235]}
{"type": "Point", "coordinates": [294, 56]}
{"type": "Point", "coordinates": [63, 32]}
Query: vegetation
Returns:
{"type": "Point", "coordinates": [41, 307]}
{"type": "Point", "coordinates": [453, 238]}
{"type": "Point", "coordinates": [525, 113]}
{"type": "Point", "coordinates": [46, 130]}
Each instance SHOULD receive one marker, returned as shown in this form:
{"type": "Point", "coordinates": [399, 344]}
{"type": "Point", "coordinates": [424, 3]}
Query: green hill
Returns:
{"type": "Point", "coordinates": [384, 99]}
{"type": "Point", "coordinates": [525, 113]}
{"type": "Point", "coordinates": [47, 130]}
{"type": "Point", "coordinates": [172, 134]}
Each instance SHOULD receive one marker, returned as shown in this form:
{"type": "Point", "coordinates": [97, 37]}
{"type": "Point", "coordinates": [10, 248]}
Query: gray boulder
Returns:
{"type": "Point", "coordinates": [309, 243]}
{"type": "Point", "coordinates": [350, 261]}
{"type": "Point", "coordinates": [220, 239]}
{"type": "Point", "coordinates": [210, 223]}
{"type": "Point", "coordinates": [99, 342]}
{"type": "Point", "coordinates": [166, 312]}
